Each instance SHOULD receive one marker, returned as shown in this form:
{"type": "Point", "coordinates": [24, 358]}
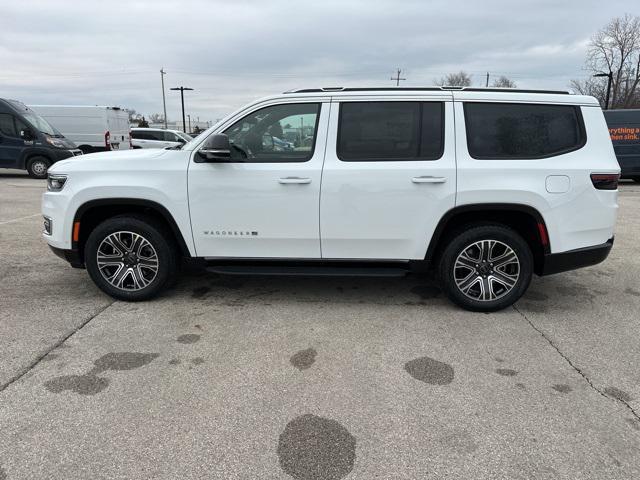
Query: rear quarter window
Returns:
{"type": "Point", "coordinates": [522, 130]}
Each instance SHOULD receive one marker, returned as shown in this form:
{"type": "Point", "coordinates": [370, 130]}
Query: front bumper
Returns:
{"type": "Point", "coordinates": [71, 256]}
{"type": "Point", "coordinates": [63, 154]}
{"type": "Point", "coordinates": [573, 259]}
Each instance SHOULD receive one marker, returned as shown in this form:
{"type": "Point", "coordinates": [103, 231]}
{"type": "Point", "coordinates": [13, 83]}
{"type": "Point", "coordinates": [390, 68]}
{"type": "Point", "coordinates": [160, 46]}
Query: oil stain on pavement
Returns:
{"type": "Point", "coordinates": [80, 384]}
{"type": "Point", "coordinates": [304, 359]}
{"type": "Point", "coordinates": [506, 372]}
{"type": "Point", "coordinates": [562, 388]}
{"type": "Point", "coordinates": [123, 361]}
{"type": "Point", "coordinates": [316, 448]}
{"type": "Point", "coordinates": [618, 394]}
{"type": "Point", "coordinates": [430, 371]}
{"type": "Point", "coordinates": [90, 383]}
{"type": "Point", "coordinates": [188, 338]}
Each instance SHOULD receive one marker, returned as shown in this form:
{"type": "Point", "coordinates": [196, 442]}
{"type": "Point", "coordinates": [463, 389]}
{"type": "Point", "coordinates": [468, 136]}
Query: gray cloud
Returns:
{"type": "Point", "coordinates": [90, 52]}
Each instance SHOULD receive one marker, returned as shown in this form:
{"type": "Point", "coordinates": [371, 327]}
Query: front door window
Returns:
{"type": "Point", "coordinates": [279, 133]}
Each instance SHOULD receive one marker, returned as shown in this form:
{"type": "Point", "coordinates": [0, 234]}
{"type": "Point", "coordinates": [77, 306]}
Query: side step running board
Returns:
{"type": "Point", "coordinates": [308, 271]}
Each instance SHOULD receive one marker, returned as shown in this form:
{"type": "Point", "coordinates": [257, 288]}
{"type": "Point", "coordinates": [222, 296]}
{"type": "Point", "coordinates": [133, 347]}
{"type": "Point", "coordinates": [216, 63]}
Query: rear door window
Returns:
{"type": "Point", "coordinates": [390, 131]}
{"type": "Point", "coordinates": [522, 131]}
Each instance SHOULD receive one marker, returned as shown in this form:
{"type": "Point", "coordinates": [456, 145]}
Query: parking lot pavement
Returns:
{"type": "Point", "coordinates": [238, 378]}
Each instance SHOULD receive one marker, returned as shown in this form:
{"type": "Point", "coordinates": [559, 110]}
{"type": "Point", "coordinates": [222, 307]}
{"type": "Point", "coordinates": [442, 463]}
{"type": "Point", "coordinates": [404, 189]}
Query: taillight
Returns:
{"type": "Point", "coordinates": [107, 138]}
{"type": "Point", "coordinates": [605, 181]}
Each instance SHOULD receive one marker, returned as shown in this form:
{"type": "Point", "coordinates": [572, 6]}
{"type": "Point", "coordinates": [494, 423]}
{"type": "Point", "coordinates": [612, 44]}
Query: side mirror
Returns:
{"type": "Point", "coordinates": [26, 135]}
{"type": "Point", "coordinates": [216, 150]}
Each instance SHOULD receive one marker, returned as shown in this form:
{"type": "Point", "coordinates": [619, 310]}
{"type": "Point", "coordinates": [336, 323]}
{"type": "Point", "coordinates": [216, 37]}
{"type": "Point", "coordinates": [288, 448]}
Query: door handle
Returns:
{"type": "Point", "coordinates": [428, 179]}
{"type": "Point", "coordinates": [290, 180]}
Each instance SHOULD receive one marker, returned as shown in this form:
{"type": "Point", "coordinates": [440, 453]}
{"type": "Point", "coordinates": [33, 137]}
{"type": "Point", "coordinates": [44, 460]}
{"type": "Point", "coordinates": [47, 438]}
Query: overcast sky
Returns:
{"type": "Point", "coordinates": [110, 52]}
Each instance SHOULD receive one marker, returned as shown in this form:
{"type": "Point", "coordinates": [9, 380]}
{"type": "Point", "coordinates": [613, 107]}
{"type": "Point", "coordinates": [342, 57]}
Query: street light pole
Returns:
{"type": "Point", "coordinates": [189, 117]}
{"type": "Point", "coordinates": [164, 101]}
{"type": "Point", "coordinates": [184, 121]}
{"type": "Point", "coordinates": [610, 77]}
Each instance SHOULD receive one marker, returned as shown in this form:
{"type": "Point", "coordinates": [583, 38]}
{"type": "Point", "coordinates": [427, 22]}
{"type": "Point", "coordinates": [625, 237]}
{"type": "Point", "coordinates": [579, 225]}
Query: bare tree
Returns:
{"type": "Point", "coordinates": [156, 118]}
{"type": "Point", "coordinates": [504, 82]}
{"type": "Point", "coordinates": [590, 86]}
{"type": "Point", "coordinates": [133, 115]}
{"type": "Point", "coordinates": [616, 49]}
{"type": "Point", "coordinates": [460, 79]}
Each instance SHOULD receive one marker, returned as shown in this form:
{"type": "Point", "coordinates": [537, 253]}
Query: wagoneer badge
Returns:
{"type": "Point", "coordinates": [230, 233]}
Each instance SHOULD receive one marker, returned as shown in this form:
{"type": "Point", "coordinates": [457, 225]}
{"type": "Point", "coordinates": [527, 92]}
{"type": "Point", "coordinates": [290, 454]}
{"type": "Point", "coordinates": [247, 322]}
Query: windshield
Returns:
{"type": "Point", "coordinates": [41, 124]}
{"type": "Point", "coordinates": [184, 136]}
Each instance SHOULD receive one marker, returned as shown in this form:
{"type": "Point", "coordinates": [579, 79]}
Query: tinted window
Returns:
{"type": "Point", "coordinates": [7, 127]}
{"type": "Point", "coordinates": [146, 135]}
{"type": "Point", "coordinates": [280, 133]}
{"type": "Point", "coordinates": [512, 130]}
{"type": "Point", "coordinates": [157, 135]}
{"type": "Point", "coordinates": [381, 131]}
{"type": "Point", "coordinates": [138, 134]}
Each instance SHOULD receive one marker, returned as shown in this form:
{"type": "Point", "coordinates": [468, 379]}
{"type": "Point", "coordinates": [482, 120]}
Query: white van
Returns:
{"type": "Point", "coordinates": [92, 128]}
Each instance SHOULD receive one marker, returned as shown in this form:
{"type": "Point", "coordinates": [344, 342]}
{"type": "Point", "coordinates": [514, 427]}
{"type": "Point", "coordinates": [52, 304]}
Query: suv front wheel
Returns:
{"type": "Point", "coordinates": [486, 267]}
{"type": "Point", "coordinates": [131, 258]}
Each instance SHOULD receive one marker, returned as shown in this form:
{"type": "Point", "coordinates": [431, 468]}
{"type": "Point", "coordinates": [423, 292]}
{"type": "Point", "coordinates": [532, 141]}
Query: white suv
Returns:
{"type": "Point", "coordinates": [158, 138]}
{"type": "Point", "coordinates": [486, 186]}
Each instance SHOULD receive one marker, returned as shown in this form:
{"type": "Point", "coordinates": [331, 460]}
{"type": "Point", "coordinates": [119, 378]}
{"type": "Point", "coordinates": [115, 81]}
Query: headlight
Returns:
{"type": "Point", "coordinates": [55, 183]}
{"type": "Point", "coordinates": [56, 142]}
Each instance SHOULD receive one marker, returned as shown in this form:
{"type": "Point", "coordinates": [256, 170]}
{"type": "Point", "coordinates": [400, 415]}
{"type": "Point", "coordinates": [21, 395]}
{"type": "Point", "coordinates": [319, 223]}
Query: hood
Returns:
{"type": "Point", "coordinates": [107, 160]}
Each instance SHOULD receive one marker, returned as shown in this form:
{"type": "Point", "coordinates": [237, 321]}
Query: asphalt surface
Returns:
{"type": "Point", "coordinates": [245, 378]}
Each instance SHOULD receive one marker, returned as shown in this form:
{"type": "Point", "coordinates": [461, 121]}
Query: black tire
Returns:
{"type": "Point", "coordinates": [37, 167]}
{"type": "Point", "coordinates": [162, 244]}
{"type": "Point", "coordinates": [484, 276]}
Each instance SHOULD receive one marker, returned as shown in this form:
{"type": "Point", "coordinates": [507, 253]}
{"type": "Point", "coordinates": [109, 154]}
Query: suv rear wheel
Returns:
{"type": "Point", "coordinates": [486, 267]}
{"type": "Point", "coordinates": [37, 167]}
{"type": "Point", "coordinates": [131, 258]}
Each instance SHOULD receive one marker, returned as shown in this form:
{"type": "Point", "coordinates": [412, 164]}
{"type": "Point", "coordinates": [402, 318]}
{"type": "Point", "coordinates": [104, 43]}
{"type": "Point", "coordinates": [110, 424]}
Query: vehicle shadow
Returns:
{"type": "Point", "coordinates": [239, 290]}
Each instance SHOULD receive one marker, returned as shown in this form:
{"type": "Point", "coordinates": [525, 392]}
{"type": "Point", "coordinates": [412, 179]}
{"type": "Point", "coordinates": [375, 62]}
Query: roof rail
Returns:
{"type": "Point", "coordinates": [425, 89]}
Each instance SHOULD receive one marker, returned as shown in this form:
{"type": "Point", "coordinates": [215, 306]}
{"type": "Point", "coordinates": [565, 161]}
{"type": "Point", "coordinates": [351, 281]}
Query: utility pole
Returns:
{"type": "Point", "coordinates": [189, 117]}
{"type": "Point", "coordinates": [164, 101]}
{"type": "Point", "coordinates": [182, 89]}
{"type": "Point", "coordinates": [487, 80]}
{"type": "Point", "coordinates": [397, 77]}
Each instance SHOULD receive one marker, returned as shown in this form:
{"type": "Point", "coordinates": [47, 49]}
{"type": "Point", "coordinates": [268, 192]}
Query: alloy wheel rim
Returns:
{"type": "Point", "coordinates": [127, 261]}
{"type": "Point", "coordinates": [486, 270]}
